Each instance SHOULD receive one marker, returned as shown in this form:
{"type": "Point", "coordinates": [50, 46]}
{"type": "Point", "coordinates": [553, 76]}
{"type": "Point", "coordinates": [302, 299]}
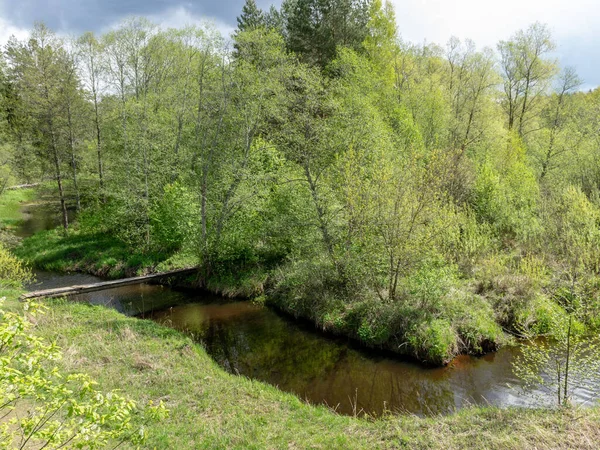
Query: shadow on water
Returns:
{"type": "Point", "coordinates": [255, 341]}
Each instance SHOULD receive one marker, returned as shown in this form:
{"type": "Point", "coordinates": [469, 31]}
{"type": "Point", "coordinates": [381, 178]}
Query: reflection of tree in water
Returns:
{"type": "Point", "coordinates": [369, 385]}
{"type": "Point", "coordinates": [266, 347]}
{"type": "Point", "coordinates": [262, 345]}
{"type": "Point", "coordinates": [135, 299]}
{"type": "Point", "coordinates": [258, 343]}
{"type": "Point", "coordinates": [269, 348]}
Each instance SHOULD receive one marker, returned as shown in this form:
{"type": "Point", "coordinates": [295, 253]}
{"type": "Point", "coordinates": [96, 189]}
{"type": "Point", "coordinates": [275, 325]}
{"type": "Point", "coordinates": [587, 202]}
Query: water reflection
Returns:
{"type": "Point", "coordinates": [257, 342]}
{"type": "Point", "coordinates": [40, 217]}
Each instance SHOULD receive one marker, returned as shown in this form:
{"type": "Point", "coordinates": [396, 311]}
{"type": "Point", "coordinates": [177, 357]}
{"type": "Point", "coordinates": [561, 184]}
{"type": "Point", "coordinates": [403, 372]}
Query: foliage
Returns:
{"type": "Point", "coordinates": [564, 362]}
{"type": "Point", "coordinates": [414, 196]}
{"type": "Point", "coordinates": [13, 274]}
{"type": "Point", "coordinates": [172, 218]}
{"type": "Point", "coordinates": [43, 407]}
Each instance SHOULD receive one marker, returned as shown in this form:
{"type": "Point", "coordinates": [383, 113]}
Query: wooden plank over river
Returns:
{"type": "Point", "coordinates": [83, 288]}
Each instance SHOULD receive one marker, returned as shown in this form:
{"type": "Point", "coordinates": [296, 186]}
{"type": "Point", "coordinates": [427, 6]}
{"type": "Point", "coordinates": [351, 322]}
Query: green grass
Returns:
{"type": "Point", "coordinates": [213, 409]}
{"type": "Point", "coordinates": [10, 206]}
{"type": "Point", "coordinates": [97, 254]}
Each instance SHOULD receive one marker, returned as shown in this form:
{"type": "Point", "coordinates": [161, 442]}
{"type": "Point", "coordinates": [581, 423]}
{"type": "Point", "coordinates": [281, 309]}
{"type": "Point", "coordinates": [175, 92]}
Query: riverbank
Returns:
{"type": "Point", "coordinates": [95, 254]}
{"type": "Point", "coordinates": [11, 201]}
{"type": "Point", "coordinates": [213, 409]}
{"type": "Point", "coordinates": [442, 317]}
{"type": "Point", "coordinates": [370, 323]}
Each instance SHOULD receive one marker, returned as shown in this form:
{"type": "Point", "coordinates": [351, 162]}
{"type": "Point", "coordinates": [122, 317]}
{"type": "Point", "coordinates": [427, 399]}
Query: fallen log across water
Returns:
{"type": "Point", "coordinates": [83, 288]}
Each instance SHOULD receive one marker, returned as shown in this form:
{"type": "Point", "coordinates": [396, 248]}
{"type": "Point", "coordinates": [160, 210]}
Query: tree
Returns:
{"type": "Point", "coordinates": [381, 42]}
{"type": "Point", "coordinates": [568, 360]}
{"type": "Point", "coordinates": [75, 114]}
{"type": "Point", "coordinates": [45, 76]}
{"type": "Point", "coordinates": [315, 28]}
{"type": "Point", "coordinates": [303, 137]}
{"type": "Point", "coordinates": [251, 17]}
{"type": "Point", "coordinates": [527, 73]}
{"type": "Point", "coordinates": [557, 116]}
{"type": "Point", "coordinates": [471, 80]}
{"type": "Point", "coordinates": [91, 51]}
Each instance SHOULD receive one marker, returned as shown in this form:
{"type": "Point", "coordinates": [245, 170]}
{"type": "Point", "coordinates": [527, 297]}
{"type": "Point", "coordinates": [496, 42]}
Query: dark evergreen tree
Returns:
{"type": "Point", "coordinates": [315, 28]}
{"type": "Point", "coordinates": [252, 17]}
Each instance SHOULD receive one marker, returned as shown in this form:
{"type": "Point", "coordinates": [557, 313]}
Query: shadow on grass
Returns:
{"type": "Point", "coordinates": [97, 254]}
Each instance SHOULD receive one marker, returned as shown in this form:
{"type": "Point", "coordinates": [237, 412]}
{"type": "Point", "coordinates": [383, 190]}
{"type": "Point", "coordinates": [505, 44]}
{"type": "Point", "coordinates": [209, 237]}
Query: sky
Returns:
{"type": "Point", "coordinates": [575, 23]}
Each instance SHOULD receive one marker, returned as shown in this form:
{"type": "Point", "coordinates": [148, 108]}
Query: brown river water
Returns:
{"type": "Point", "coordinates": [259, 343]}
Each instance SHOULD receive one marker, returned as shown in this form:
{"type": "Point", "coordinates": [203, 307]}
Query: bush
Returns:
{"type": "Point", "coordinates": [433, 341]}
{"type": "Point", "coordinates": [12, 272]}
{"type": "Point", "coordinates": [506, 192]}
{"type": "Point", "coordinates": [472, 317]}
{"type": "Point", "coordinates": [426, 286]}
{"type": "Point", "coordinates": [173, 218]}
{"type": "Point", "coordinates": [309, 289]}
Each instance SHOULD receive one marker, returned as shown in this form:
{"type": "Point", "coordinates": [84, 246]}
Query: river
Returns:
{"type": "Point", "coordinates": [259, 343]}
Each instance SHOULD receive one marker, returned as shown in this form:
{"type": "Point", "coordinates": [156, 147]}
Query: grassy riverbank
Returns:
{"type": "Point", "coordinates": [96, 254]}
{"type": "Point", "coordinates": [460, 321]}
{"type": "Point", "coordinates": [213, 409]}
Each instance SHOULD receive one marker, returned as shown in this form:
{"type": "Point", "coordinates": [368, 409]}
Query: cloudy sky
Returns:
{"type": "Point", "coordinates": [575, 23]}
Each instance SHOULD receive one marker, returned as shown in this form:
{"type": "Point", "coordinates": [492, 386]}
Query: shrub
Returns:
{"type": "Point", "coordinates": [173, 218]}
{"type": "Point", "coordinates": [426, 286]}
{"type": "Point", "coordinates": [433, 341]}
{"type": "Point", "coordinates": [12, 272]}
{"type": "Point", "coordinates": [472, 317]}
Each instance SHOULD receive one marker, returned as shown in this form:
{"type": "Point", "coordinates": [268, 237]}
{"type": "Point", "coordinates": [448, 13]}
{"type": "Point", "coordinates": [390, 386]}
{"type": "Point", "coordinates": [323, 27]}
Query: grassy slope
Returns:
{"type": "Point", "coordinates": [213, 409]}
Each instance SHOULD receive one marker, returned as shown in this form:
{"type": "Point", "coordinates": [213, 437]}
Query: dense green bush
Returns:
{"type": "Point", "coordinates": [174, 218]}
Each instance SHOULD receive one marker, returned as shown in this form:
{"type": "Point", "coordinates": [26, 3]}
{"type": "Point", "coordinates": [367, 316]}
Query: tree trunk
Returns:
{"type": "Point", "coordinates": [63, 206]}
{"type": "Point", "coordinates": [99, 147]}
{"type": "Point", "coordinates": [73, 159]}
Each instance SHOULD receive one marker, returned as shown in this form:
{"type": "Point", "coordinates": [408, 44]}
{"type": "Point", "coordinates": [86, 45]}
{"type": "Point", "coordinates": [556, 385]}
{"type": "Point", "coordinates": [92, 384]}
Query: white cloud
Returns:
{"type": "Point", "coordinates": [7, 30]}
{"type": "Point", "coordinates": [180, 17]}
{"type": "Point", "coordinates": [575, 25]}
{"type": "Point", "coordinates": [487, 22]}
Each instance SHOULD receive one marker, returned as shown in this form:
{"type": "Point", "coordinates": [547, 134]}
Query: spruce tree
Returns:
{"type": "Point", "coordinates": [251, 18]}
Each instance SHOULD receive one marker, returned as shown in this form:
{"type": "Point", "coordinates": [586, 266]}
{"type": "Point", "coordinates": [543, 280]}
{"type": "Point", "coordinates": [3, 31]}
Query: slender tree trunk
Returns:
{"type": "Point", "coordinates": [524, 108]}
{"type": "Point", "coordinates": [73, 159]}
{"type": "Point", "coordinates": [99, 147]}
{"type": "Point", "coordinates": [566, 385]}
{"type": "Point", "coordinates": [320, 215]}
{"type": "Point", "coordinates": [63, 206]}
{"type": "Point", "coordinates": [180, 120]}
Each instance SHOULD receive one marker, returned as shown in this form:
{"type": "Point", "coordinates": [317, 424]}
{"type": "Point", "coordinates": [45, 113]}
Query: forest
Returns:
{"type": "Point", "coordinates": [431, 200]}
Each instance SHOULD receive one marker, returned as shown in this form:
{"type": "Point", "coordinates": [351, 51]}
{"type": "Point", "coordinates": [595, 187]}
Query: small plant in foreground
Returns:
{"type": "Point", "coordinates": [42, 408]}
